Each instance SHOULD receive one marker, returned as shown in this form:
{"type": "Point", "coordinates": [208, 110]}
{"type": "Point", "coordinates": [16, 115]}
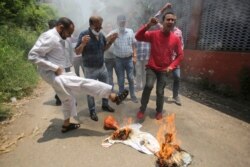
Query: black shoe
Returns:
{"type": "Point", "coordinates": [58, 101]}
{"type": "Point", "coordinates": [108, 108]}
{"type": "Point", "coordinates": [93, 116]}
{"type": "Point", "coordinates": [121, 96]}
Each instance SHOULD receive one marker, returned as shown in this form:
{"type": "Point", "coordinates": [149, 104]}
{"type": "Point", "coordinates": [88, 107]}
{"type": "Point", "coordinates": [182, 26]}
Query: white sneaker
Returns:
{"type": "Point", "coordinates": [177, 100]}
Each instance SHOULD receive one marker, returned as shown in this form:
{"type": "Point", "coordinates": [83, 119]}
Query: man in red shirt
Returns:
{"type": "Point", "coordinates": [163, 44]}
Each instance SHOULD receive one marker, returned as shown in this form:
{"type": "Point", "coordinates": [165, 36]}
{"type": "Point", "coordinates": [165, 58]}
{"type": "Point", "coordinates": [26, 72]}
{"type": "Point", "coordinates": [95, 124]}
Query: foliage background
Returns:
{"type": "Point", "coordinates": [21, 21]}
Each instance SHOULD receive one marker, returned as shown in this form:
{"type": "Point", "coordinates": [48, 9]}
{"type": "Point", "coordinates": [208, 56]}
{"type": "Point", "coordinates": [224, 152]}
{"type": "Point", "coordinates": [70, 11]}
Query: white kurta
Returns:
{"type": "Point", "coordinates": [48, 55]}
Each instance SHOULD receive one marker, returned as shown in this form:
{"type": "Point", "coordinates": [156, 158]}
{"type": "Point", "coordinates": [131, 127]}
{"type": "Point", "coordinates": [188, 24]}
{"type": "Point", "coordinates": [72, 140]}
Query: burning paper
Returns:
{"type": "Point", "coordinates": [170, 153]}
{"type": "Point", "coordinates": [132, 136]}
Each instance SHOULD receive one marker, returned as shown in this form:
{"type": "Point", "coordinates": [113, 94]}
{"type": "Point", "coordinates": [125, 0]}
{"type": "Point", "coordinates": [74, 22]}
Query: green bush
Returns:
{"type": "Point", "coordinates": [21, 21]}
{"type": "Point", "coordinates": [5, 112]}
{"type": "Point", "coordinates": [17, 75]}
{"type": "Point", "coordinates": [36, 17]}
{"type": "Point", "coordinates": [25, 13]}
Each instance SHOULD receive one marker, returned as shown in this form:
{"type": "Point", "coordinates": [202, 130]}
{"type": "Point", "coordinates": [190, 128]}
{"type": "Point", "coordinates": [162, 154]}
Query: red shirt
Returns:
{"type": "Point", "coordinates": [162, 48]}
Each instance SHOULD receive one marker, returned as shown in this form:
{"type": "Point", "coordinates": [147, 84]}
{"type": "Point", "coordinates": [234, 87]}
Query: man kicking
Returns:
{"type": "Point", "coordinates": [48, 55]}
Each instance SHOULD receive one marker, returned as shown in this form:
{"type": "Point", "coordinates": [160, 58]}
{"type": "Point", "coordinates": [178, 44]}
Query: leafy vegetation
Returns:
{"type": "Point", "coordinates": [21, 21]}
{"type": "Point", "coordinates": [4, 113]}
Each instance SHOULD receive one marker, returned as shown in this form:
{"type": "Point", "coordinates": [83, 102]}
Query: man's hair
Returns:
{"type": "Point", "coordinates": [168, 12]}
{"type": "Point", "coordinates": [94, 19]}
{"type": "Point", "coordinates": [121, 18]}
{"type": "Point", "coordinates": [52, 23]}
{"type": "Point", "coordinates": [66, 22]}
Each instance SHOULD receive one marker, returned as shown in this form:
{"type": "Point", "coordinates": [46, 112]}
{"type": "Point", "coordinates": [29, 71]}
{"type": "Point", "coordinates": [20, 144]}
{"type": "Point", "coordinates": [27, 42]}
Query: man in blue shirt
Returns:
{"type": "Point", "coordinates": [92, 44]}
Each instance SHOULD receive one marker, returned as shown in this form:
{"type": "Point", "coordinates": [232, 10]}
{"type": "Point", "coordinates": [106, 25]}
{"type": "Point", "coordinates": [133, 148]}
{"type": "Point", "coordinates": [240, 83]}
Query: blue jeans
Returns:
{"type": "Point", "coordinates": [176, 84]}
{"type": "Point", "coordinates": [99, 74]}
{"type": "Point", "coordinates": [151, 76]}
{"type": "Point", "coordinates": [122, 65]}
{"type": "Point", "coordinates": [110, 65]}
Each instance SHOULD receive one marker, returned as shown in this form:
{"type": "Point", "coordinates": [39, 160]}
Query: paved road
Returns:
{"type": "Point", "coordinates": [212, 137]}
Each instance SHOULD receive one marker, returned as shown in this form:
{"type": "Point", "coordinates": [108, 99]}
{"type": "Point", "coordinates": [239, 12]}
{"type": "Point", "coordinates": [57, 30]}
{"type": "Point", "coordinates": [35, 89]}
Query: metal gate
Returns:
{"type": "Point", "coordinates": [225, 25]}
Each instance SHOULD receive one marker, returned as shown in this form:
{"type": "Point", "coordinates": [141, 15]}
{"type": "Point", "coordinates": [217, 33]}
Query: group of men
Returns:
{"type": "Point", "coordinates": [48, 54]}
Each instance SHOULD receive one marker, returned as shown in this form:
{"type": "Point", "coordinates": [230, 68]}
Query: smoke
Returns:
{"type": "Point", "coordinates": [79, 11]}
{"type": "Point", "coordinates": [137, 12]}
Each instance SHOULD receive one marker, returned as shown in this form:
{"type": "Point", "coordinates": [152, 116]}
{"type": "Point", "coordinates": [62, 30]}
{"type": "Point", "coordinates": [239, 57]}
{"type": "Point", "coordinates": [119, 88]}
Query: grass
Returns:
{"type": "Point", "coordinates": [5, 113]}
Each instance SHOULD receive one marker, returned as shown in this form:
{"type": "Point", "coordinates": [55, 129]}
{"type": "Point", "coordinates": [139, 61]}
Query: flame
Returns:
{"type": "Point", "coordinates": [123, 133]}
{"type": "Point", "coordinates": [127, 121]}
{"type": "Point", "coordinates": [120, 133]}
{"type": "Point", "coordinates": [166, 137]}
{"type": "Point", "coordinates": [110, 123]}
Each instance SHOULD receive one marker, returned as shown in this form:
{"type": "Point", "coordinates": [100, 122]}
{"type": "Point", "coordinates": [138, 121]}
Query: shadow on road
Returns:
{"type": "Point", "coordinates": [232, 106]}
{"type": "Point", "coordinates": [50, 102]}
{"type": "Point", "coordinates": [54, 132]}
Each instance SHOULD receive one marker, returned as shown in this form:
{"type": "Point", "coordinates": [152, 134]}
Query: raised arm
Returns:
{"type": "Point", "coordinates": [82, 42]}
{"type": "Point", "coordinates": [141, 34]}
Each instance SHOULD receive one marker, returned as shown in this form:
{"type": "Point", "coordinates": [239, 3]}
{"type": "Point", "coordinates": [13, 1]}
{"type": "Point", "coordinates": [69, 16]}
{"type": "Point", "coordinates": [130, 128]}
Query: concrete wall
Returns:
{"type": "Point", "coordinates": [217, 67]}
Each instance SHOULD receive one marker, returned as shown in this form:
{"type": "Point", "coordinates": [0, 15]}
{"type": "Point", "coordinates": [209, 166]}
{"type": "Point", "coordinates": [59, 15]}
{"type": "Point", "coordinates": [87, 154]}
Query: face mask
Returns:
{"type": "Point", "coordinates": [121, 29]}
{"type": "Point", "coordinates": [95, 33]}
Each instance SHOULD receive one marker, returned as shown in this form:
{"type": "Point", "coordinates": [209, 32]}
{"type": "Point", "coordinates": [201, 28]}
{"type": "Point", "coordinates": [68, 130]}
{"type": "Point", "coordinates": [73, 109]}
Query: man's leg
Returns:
{"type": "Point", "coordinates": [176, 85]}
{"type": "Point", "coordinates": [161, 83]}
{"type": "Point", "coordinates": [103, 77]}
{"type": "Point", "coordinates": [129, 68]}
{"type": "Point", "coordinates": [77, 66]}
{"type": "Point", "coordinates": [91, 73]}
{"type": "Point", "coordinates": [120, 73]}
{"type": "Point", "coordinates": [150, 80]}
{"type": "Point", "coordinates": [143, 74]}
{"type": "Point", "coordinates": [139, 72]}
{"type": "Point", "coordinates": [58, 101]}
{"type": "Point", "coordinates": [69, 86]}
{"type": "Point", "coordinates": [68, 105]}
{"type": "Point", "coordinates": [109, 66]}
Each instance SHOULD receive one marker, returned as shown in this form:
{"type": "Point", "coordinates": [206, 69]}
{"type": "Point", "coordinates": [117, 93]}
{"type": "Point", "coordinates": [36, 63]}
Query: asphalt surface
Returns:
{"type": "Point", "coordinates": [214, 139]}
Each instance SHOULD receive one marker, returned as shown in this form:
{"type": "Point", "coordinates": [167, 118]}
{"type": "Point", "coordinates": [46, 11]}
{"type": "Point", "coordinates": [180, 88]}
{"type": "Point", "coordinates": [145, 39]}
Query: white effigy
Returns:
{"type": "Point", "coordinates": [141, 141]}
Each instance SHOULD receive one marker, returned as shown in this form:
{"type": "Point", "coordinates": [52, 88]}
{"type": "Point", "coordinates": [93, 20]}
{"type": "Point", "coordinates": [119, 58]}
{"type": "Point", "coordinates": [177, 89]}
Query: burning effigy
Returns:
{"type": "Point", "coordinates": [131, 135]}
{"type": "Point", "coordinates": [170, 153]}
{"type": "Point", "coordinates": [166, 147]}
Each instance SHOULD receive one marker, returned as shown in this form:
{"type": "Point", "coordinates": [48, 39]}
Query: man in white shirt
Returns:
{"type": "Point", "coordinates": [124, 50]}
{"type": "Point", "coordinates": [48, 55]}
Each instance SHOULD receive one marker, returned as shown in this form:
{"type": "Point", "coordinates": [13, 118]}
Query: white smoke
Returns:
{"type": "Point", "coordinates": [79, 11]}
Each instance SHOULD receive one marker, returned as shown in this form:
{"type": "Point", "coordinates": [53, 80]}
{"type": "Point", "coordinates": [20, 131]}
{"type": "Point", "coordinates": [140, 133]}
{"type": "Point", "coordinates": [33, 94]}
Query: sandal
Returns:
{"type": "Point", "coordinates": [71, 126]}
{"type": "Point", "coordinates": [121, 97]}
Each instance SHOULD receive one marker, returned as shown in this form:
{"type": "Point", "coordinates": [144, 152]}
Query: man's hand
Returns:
{"type": "Point", "coordinates": [59, 71]}
{"type": "Point", "coordinates": [85, 39]}
{"type": "Point", "coordinates": [134, 58]}
{"type": "Point", "coordinates": [152, 21]}
{"type": "Point", "coordinates": [112, 37]}
{"type": "Point", "coordinates": [166, 6]}
{"type": "Point", "coordinates": [168, 70]}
